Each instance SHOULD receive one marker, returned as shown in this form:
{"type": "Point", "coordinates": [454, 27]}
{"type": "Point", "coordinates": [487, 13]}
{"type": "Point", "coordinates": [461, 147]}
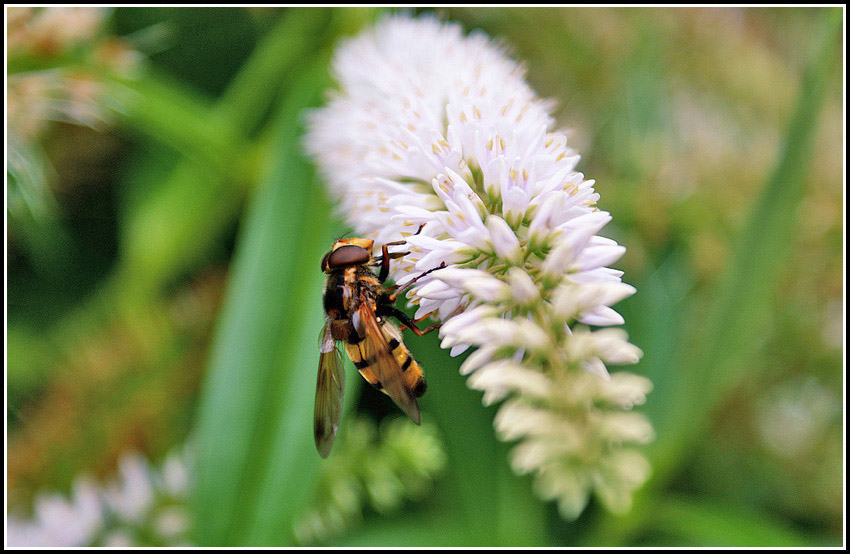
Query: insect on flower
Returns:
{"type": "Point", "coordinates": [468, 151]}
{"type": "Point", "coordinates": [357, 305]}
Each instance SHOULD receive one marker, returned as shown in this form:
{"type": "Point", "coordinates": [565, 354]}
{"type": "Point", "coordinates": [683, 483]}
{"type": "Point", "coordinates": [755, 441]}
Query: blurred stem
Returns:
{"type": "Point", "coordinates": [34, 61]}
{"type": "Point", "coordinates": [343, 22]}
{"type": "Point", "coordinates": [719, 362]}
{"type": "Point", "coordinates": [169, 113]}
{"type": "Point", "coordinates": [282, 50]}
{"type": "Point", "coordinates": [472, 450]}
{"type": "Point", "coordinates": [42, 234]}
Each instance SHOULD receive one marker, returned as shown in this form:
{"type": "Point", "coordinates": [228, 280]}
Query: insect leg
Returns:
{"type": "Point", "coordinates": [408, 323]}
{"type": "Point", "coordinates": [385, 258]}
{"type": "Point", "coordinates": [407, 285]}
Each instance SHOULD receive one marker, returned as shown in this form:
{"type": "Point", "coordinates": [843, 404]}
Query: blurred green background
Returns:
{"type": "Point", "coordinates": [163, 282]}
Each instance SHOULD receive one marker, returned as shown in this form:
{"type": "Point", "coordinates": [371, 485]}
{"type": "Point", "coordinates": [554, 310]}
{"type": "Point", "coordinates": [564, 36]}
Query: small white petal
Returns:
{"type": "Point", "coordinates": [585, 225]}
{"type": "Point", "coordinates": [467, 318]}
{"type": "Point", "coordinates": [500, 378]}
{"type": "Point", "coordinates": [628, 427]}
{"type": "Point", "coordinates": [175, 475]}
{"type": "Point", "coordinates": [516, 419]}
{"type": "Point", "coordinates": [595, 366]}
{"type": "Point", "coordinates": [601, 316]}
{"type": "Point", "coordinates": [457, 277]}
{"type": "Point", "coordinates": [613, 347]}
{"type": "Point", "coordinates": [504, 240]}
{"type": "Point", "coordinates": [118, 538]}
{"type": "Point", "coordinates": [436, 289]}
{"type": "Point", "coordinates": [600, 256]}
{"type": "Point", "coordinates": [459, 349]}
{"type": "Point", "coordinates": [478, 358]}
{"type": "Point", "coordinates": [625, 390]}
{"type": "Point", "coordinates": [171, 522]}
{"type": "Point", "coordinates": [557, 261]}
{"type": "Point", "coordinates": [523, 289]}
{"type": "Point", "coordinates": [488, 289]}
{"type": "Point", "coordinates": [631, 467]}
{"type": "Point", "coordinates": [546, 215]}
{"type": "Point", "coordinates": [132, 496]}
{"type": "Point", "coordinates": [527, 456]}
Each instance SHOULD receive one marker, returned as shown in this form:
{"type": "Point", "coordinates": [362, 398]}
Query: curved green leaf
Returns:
{"type": "Point", "coordinates": [256, 458]}
{"type": "Point", "coordinates": [718, 524]}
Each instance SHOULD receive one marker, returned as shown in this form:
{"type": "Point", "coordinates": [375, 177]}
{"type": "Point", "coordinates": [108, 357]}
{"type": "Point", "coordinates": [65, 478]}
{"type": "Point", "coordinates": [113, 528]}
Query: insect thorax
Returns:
{"type": "Point", "coordinates": [343, 292]}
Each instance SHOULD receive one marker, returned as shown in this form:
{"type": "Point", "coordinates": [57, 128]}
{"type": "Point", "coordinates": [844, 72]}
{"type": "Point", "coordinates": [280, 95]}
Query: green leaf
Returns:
{"type": "Point", "coordinates": [169, 113]}
{"type": "Point", "coordinates": [256, 458]}
{"type": "Point", "coordinates": [702, 523]}
{"type": "Point", "coordinates": [281, 53]}
{"type": "Point", "coordinates": [435, 528]}
{"type": "Point", "coordinates": [260, 339]}
{"type": "Point", "coordinates": [495, 506]}
{"type": "Point", "coordinates": [186, 214]}
{"type": "Point", "coordinates": [655, 318]}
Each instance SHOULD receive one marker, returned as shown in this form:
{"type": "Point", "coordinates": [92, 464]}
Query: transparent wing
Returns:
{"type": "Point", "coordinates": [330, 386]}
{"type": "Point", "coordinates": [376, 350]}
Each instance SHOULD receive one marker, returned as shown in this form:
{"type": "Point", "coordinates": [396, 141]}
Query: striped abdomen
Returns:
{"type": "Point", "coordinates": [363, 355]}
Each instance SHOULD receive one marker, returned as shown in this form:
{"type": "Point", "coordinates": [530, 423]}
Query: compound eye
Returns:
{"type": "Point", "coordinates": [325, 262]}
{"type": "Point", "coordinates": [347, 255]}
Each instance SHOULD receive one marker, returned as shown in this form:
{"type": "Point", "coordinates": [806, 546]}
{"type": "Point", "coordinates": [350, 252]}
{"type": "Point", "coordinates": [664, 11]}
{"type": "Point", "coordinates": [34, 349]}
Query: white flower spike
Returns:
{"type": "Point", "coordinates": [435, 131]}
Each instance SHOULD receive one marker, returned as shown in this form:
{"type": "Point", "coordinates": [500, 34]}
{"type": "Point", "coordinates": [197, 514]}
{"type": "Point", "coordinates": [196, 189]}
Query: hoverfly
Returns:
{"type": "Point", "coordinates": [357, 305]}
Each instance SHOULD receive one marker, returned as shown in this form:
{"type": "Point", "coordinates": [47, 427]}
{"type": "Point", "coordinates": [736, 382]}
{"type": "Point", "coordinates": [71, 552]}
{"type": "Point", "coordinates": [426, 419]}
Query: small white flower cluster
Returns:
{"type": "Point", "coordinates": [142, 501]}
{"type": "Point", "coordinates": [435, 132]}
{"type": "Point", "coordinates": [68, 93]}
{"type": "Point", "coordinates": [380, 470]}
{"type": "Point", "coordinates": [37, 97]}
{"type": "Point", "coordinates": [51, 30]}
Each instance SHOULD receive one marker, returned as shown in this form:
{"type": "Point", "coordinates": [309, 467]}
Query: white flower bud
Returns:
{"type": "Point", "coordinates": [504, 240]}
{"type": "Point", "coordinates": [523, 290]}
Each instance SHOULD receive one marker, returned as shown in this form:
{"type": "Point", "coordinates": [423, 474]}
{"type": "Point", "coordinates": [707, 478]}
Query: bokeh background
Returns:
{"type": "Point", "coordinates": [164, 234]}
